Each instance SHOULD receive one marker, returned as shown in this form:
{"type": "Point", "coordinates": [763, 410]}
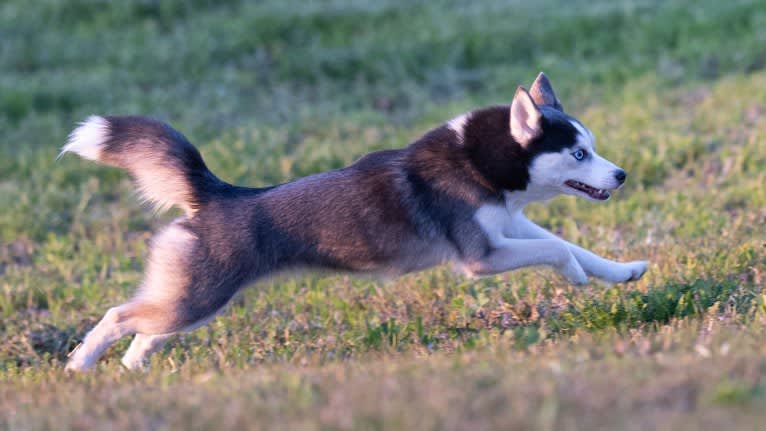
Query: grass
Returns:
{"type": "Point", "coordinates": [270, 91]}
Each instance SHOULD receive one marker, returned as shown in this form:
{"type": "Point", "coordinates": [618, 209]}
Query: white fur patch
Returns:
{"type": "Point", "coordinates": [493, 219]}
{"type": "Point", "coordinates": [548, 172]}
{"type": "Point", "coordinates": [88, 139]}
{"type": "Point", "coordinates": [585, 137]}
{"type": "Point", "coordinates": [458, 124]}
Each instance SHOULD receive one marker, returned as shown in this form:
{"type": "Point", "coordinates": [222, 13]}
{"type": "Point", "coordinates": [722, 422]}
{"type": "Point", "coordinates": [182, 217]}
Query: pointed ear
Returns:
{"type": "Point", "coordinates": [525, 118]}
{"type": "Point", "coordinates": [542, 93]}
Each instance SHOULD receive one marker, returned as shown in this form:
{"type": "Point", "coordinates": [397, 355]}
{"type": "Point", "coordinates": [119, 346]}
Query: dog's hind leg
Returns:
{"type": "Point", "coordinates": [153, 324]}
{"type": "Point", "coordinates": [183, 289]}
{"type": "Point", "coordinates": [118, 322]}
{"type": "Point", "coordinates": [142, 346]}
{"type": "Point", "coordinates": [149, 312]}
{"type": "Point", "coordinates": [155, 310]}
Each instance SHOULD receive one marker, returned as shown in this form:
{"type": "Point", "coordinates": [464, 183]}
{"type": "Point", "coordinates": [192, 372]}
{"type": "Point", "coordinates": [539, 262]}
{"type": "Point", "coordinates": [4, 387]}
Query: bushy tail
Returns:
{"type": "Point", "coordinates": [167, 169]}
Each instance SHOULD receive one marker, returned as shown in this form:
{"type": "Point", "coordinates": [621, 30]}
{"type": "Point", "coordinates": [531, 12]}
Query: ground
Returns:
{"type": "Point", "coordinates": [275, 90]}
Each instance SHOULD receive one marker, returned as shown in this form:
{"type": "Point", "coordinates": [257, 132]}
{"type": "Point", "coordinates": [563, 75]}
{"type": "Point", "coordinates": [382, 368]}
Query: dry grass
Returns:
{"type": "Point", "coordinates": [706, 373]}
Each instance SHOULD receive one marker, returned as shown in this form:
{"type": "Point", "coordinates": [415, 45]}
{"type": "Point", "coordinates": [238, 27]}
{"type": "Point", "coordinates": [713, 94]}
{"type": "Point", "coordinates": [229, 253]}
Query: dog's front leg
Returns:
{"type": "Point", "coordinates": [512, 254]}
{"type": "Point", "coordinates": [608, 270]}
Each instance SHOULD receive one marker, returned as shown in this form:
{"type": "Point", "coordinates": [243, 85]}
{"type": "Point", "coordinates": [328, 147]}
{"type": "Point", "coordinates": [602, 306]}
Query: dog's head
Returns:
{"type": "Point", "coordinates": [560, 151]}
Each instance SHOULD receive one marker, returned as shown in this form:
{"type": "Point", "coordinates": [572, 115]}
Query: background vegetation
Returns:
{"type": "Point", "coordinates": [675, 92]}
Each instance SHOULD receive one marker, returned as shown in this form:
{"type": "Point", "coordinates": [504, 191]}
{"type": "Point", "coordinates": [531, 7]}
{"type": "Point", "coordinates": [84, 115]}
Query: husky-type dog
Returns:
{"type": "Point", "coordinates": [454, 195]}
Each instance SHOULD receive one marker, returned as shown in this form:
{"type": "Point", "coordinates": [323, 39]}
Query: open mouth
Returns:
{"type": "Point", "coordinates": [598, 194]}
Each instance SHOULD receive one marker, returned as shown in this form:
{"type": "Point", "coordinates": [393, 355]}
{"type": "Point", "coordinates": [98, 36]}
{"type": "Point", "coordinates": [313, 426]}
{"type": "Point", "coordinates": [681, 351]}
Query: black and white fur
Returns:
{"type": "Point", "coordinates": [456, 195]}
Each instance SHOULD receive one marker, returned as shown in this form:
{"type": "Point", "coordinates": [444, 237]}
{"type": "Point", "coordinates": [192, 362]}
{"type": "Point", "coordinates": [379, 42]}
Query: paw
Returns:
{"type": "Point", "coordinates": [76, 365]}
{"type": "Point", "coordinates": [78, 360]}
{"type": "Point", "coordinates": [625, 272]}
{"type": "Point", "coordinates": [133, 362]}
{"type": "Point", "coordinates": [133, 365]}
{"type": "Point", "coordinates": [636, 270]}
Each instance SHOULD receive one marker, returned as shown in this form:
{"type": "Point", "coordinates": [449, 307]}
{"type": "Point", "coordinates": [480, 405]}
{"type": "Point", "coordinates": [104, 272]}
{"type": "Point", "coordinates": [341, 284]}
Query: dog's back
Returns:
{"type": "Point", "coordinates": [390, 213]}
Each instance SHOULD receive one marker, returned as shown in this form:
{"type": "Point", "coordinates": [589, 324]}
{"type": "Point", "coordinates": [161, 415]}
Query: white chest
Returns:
{"type": "Point", "coordinates": [494, 220]}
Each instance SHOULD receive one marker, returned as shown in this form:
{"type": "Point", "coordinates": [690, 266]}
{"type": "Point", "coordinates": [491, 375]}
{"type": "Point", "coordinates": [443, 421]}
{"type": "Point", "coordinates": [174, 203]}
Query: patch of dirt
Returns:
{"type": "Point", "coordinates": [18, 253]}
{"type": "Point", "coordinates": [28, 341]}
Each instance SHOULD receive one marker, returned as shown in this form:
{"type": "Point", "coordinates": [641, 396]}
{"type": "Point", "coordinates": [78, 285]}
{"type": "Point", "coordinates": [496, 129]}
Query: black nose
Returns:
{"type": "Point", "coordinates": [620, 175]}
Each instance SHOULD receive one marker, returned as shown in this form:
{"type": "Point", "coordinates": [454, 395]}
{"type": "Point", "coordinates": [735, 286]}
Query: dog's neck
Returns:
{"type": "Point", "coordinates": [515, 201]}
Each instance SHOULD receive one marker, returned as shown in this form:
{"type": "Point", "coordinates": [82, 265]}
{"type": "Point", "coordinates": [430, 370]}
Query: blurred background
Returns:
{"type": "Point", "coordinates": [675, 92]}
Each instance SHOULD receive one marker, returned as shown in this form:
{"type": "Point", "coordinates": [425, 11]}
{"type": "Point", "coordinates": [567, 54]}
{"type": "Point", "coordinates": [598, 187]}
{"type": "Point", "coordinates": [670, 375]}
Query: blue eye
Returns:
{"type": "Point", "coordinates": [579, 154]}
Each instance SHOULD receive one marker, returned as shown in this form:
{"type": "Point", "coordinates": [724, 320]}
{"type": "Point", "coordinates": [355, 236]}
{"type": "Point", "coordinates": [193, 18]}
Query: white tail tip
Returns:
{"type": "Point", "coordinates": [88, 139]}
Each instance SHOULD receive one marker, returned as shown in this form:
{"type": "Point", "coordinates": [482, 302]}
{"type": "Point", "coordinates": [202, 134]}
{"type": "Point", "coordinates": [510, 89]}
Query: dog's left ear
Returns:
{"type": "Point", "coordinates": [542, 93]}
{"type": "Point", "coordinates": [525, 118]}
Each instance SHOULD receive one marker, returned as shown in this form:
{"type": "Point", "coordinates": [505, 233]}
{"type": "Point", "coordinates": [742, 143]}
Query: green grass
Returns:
{"type": "Point", "coordinates": [270, 91]}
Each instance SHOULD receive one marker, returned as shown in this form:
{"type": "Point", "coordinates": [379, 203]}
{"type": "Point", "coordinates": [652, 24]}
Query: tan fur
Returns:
{"type": "Point", "coordinates": [158, 182]}
{"type": "Point", "coordinates": [166, 272]}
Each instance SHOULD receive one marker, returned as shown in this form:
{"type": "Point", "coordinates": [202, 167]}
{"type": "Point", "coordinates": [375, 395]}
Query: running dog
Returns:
{"type": "Point", "coordinates": [455, 195]}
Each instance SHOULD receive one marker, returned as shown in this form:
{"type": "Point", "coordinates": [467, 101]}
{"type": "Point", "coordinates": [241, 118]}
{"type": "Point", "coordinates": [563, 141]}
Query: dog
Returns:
{"type": "Point", "coordinates": [455, 195]}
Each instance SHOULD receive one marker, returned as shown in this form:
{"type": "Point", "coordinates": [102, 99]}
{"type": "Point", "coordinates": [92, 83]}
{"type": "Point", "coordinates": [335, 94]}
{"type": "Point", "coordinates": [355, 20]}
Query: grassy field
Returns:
{"type": "Point", "coordinates": [274, 90]}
